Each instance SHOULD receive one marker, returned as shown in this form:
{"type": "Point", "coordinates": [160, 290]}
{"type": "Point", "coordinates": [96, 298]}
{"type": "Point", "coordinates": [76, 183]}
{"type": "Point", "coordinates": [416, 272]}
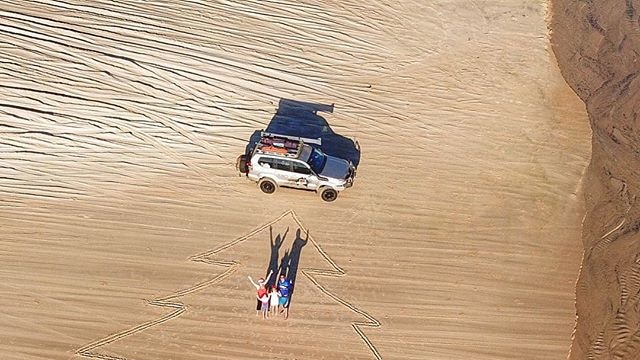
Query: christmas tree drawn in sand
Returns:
{"type": "Point", "coordinates": [216, 318]}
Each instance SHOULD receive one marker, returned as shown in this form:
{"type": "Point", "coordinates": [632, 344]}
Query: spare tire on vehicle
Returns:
{"type": "Point", "coordinates": [241, 164]}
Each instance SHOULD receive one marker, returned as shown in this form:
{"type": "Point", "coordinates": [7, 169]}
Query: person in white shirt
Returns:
{"type": "Point", "coordinates": [274, 300]}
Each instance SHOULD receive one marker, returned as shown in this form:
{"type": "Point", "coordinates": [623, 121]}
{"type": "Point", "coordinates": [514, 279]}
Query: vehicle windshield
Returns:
{"type": "Point", "coordinates": [317, 160]}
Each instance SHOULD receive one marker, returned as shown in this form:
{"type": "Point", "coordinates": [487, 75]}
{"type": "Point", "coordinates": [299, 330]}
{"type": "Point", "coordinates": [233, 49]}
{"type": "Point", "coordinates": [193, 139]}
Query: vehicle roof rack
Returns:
{"type": "Point", "coordinates": [283, 145]}
{"type": "Point", "coordinates": [317, 141]}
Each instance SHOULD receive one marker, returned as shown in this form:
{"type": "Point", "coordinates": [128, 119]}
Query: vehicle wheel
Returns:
{"type": "Point", "coordinates": [328, 194]}
{"type": "Point", "coordinates": [241, 164]}
{"type": "Point", "coordinates": [267, 186]}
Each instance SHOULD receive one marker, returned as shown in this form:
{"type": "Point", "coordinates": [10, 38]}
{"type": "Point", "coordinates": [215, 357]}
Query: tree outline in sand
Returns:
{"type": "Point", "coordinates": [178, 308]}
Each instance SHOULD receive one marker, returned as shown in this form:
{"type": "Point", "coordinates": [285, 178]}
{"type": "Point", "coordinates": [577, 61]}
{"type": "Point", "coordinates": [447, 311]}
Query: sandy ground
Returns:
{"type": "Point", "coordinates": [596, 47]}
{"type": "Point", "coordinates": [120, 123]}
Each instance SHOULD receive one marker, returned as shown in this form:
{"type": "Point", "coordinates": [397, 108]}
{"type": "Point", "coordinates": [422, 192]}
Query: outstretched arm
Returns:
{"type": "Point", "coordinates": [252, 282]}
{"type": "Point", "coordinates": [266, 280]}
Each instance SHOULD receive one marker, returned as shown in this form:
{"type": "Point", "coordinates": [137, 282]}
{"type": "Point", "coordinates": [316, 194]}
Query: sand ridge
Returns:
{"type": "Point", "coordinates": [595, 49]}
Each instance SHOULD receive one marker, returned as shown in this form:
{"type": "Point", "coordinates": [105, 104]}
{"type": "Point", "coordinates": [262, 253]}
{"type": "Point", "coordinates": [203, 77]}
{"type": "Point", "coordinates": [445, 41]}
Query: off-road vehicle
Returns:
{"type": "Point", "coordinates": [280, 160]}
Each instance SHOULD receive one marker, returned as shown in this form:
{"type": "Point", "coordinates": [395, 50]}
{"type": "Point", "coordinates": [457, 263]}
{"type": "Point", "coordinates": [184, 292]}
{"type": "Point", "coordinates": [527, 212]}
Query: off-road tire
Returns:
{"type": "Point", "coordinates": [267, 186]}
{"type": "Point", "coordinates": [328, 194]}
{"type": "Point", "coordinates": [241, 164]}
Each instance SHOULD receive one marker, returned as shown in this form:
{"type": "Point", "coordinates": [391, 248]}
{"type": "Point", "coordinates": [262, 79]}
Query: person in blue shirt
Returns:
{"type": "Point", "coordinates": [284, 287]}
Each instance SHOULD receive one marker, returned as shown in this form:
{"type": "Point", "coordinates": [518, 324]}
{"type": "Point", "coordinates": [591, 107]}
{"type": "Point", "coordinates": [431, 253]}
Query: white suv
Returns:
{"type": "Point", "coordinates": [281, 160]}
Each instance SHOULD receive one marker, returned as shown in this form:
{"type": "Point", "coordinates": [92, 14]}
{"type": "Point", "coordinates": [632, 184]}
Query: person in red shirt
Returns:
{"type": "Point", "coordinates": [261, 288]}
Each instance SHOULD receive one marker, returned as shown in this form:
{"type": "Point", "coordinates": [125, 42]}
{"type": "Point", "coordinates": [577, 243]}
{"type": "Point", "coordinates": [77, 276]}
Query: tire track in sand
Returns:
{"type": "Point", "coordinates": [131, 75]}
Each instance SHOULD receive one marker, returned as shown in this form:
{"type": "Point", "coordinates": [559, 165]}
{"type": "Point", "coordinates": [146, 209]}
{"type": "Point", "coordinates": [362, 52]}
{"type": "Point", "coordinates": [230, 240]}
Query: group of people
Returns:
{"type": "Point", "coordinates": [272, 300]}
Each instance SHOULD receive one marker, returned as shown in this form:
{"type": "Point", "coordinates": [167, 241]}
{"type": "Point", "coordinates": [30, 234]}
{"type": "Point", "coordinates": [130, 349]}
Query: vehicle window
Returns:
{"type": "Point", "coordinates": [265, 161]}
{"type": "Point", "coordinates": [301, 168]}
{"type": "Point", "coordinates": [317, 160]}
{"type": "Point", "coordinates": [282, 164]}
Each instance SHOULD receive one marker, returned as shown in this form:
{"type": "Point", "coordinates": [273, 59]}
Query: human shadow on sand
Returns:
{"type": "Point", "coordinates": [275, 245]}
{"type": "Point", "coordinates": [299, 118]}
{"type": "Point", "coordinates": [291, 260]}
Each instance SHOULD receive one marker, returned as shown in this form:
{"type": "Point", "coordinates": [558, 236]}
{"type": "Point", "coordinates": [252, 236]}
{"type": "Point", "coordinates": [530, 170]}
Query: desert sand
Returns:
{"type": "Point", "coordinates": [597, 50]}
{"type": "Point", "coordinates": [128, 234]}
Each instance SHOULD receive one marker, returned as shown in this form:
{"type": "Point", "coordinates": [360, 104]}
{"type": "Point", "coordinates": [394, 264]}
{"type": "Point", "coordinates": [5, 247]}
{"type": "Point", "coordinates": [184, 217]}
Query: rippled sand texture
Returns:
{"type": "Point", "coordinates": [120, 123]}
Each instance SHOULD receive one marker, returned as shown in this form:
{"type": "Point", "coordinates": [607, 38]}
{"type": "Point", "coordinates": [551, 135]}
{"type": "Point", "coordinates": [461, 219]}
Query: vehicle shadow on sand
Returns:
{"type": "Point", "coordinates": [301, 119]}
